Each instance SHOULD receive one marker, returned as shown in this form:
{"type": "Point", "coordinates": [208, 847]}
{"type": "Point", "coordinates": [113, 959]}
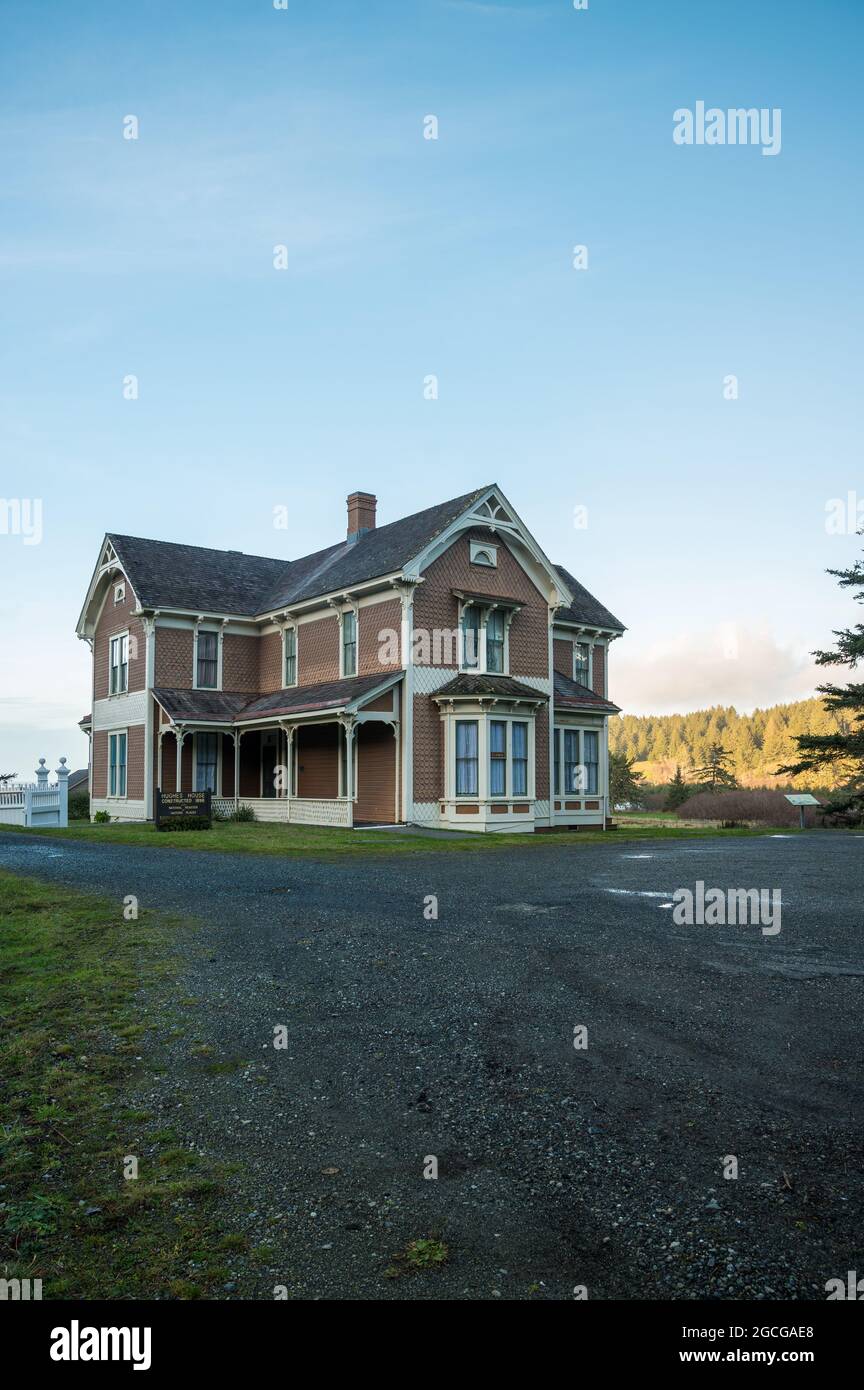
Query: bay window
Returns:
{"type": "Point", "coordinates": [519, 758]}
{"type": "Point", "coordinates": [572, 776]}
{"type": "Point", "coordinates": [466, 757]}
{"type": "Point", "coordinates": [497, 758]}
{"type": "Point", "coordinates": [117, 764]}
{"type": "Point", "coordinates": [591, 758]}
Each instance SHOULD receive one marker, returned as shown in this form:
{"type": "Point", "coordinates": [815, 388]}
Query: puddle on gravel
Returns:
{"type": "Point", "coordinates": [542, 908]}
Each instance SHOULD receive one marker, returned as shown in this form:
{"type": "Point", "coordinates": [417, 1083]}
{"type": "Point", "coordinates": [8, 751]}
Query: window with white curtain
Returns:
{"type": "Point", "coordinates": [519, 758]}
{"type": "Point", "coordinates": [208, 660]}
{"type": "Point", "coordinates": [572, 777]}
{"type": "Point", "coordinates": [471, 636]}
{"type": "Point", "coordinates": [497, 758]}
{"type": "Point", "coordinates": [591, 757]}
{"type": "Point", "coordinates": [495, 641]}
{"type": "Point", "coordinates": [466, 757]}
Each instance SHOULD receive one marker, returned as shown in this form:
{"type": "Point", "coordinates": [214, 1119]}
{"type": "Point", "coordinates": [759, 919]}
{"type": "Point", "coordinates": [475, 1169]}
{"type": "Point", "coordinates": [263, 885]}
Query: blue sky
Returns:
{"type": "Point", "coordinates": [407, 257]}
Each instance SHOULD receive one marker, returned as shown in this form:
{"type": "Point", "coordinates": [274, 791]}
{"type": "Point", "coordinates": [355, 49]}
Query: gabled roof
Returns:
{"type": "Point", "coordinates": [167, 575]}
{"type": "Point", "coordinates": [571, 694]}
{"type": "Point", "coordinates": [585, 608]}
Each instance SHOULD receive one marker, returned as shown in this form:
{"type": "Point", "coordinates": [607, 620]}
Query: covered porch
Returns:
{"type": "Point", "coordinates": [316, 755]}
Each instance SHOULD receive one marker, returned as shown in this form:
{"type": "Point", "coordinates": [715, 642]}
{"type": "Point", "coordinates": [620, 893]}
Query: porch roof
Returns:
{"type": "Point", "coordinates": [238, 707]}
{"type": "Point", "coordinates": [468, 685]}
{"type": "Point", "coordinates": [570, 694]}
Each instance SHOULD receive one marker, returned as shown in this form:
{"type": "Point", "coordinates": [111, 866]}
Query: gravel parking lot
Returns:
{"type": "Point", "coordinates": [410, 1036]}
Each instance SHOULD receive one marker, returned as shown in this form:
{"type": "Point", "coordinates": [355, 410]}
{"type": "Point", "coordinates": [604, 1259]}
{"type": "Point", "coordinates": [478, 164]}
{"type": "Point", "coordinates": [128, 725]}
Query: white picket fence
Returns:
{"type": "Point", "coordinates": [37, 803]}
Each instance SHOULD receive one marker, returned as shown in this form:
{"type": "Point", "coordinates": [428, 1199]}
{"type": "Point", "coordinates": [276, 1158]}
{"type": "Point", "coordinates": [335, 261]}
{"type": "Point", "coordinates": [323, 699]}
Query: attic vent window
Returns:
{"type": "Point", "coordinates": [119, 593]}
{"type": "Point", "coordinates": [483, 554]}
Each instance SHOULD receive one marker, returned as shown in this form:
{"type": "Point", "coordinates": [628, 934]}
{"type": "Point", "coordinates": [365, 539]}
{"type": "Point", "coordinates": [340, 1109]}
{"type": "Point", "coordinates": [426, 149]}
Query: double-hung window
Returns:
{"type": "Point", "coordinates": [116, 764]}
{"type": "Point", "coordinates": [572, 771]}
{"type": "Point", "coordinates": [471, 637]}
{"type": "Point", "coordinates": [206, 762]}
{"type": "Point", "coordinates": [119, 664]}
{"type": "Point", "coordinates": [519, 758]}
{"type": "Point", "coordinates": [497, 758]}
{"type": "Point", "coordinates": [349, 644]}
{"type": "Point", "coordinates": [591, 744]}
{"type": "Point", "coordinates": [466, 757]}
{"type": "Point", "coordinates": [208, 660]}
{"type": "Point", "coordinates": [495, 641]}
{"type": "Point", "coordinates": [582, 663]}
{"type": "Point", "coordinates": [290, 656]}
{"type": "Point", "coordinates": [557, 747]}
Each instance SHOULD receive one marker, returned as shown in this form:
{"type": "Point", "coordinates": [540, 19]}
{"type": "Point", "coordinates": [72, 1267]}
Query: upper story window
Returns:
{"type": "Point", "coordinates": [482, 554]}
{"type": "Point", "coordinates": [471, 637]}
{"type": "Point", "coordinates": [349, 644]}
{"type": "Point", "coordinates": [118, 664]}
{"type": "Point", "coordinates": [483, 633]}
{"type": "Point", "coordinates": [582, 663]}
{"type": "Point", "coordinates": [290, 637]}
{"type": "Point", "coordinates": [495, 641]}
{"type": "Point", "coordinates": [207, 675]}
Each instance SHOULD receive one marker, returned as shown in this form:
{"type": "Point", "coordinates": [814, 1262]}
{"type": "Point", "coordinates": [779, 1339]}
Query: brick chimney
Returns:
{"type": "Point", "coordinates": [361, 514]}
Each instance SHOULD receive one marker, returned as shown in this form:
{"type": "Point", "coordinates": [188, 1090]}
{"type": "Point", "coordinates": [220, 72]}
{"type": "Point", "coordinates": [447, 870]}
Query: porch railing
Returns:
{"type": "Point", "coordinates": [301, 810]}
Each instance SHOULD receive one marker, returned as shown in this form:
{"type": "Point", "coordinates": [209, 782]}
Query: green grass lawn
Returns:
{"type": "Point", "coordinates": [321, 842]}
{"type": "Point", "coordinates": [72, 1044]}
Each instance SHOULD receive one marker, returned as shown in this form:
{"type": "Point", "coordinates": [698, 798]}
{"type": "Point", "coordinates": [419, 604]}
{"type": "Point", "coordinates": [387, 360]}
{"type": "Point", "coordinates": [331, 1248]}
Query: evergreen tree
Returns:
{"type": "Point", "coordinates": [678, 792]}
{"type": "Point", "coordinates": [842, 749]}
{"type": "Point", "coordinates": [623, 781]}
{"type": "Point", "coordinates": [716, 771]}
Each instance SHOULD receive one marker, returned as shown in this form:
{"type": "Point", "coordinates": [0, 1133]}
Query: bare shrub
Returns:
{"type": "Point", "coordinates": [761, 805]}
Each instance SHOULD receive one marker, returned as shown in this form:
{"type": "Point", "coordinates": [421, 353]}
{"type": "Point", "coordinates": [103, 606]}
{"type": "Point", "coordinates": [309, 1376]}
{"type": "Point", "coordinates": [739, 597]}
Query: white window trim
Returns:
{"type": "Point", "coordinates": [116, 637]}
{"type": "Point", "coordinates": [292, 627]}
{"type": "Point", "coordinates": [220, 632]}
{"type": "Point", "coordinates": [483, 547]}
{"type": "Point", "coordinates": [119, 592]}
{"type": "Point", "coordinates": [116, 796]}
{"type": "Point", "coordinates": [580, 730]}
{"type": "Point", "coordinates": [482, 668]}
{"type": "Point", "coordinates": [219, 757]}
{"type": "Point", "coordinates": [484, 719]}
{"type": "Point", "coordinates": [343, 674]}
{"type": "Point", "coordinates": [589, 679]}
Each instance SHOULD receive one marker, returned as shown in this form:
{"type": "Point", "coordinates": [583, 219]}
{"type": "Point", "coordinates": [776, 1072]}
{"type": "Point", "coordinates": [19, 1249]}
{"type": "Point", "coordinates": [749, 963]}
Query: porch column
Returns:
{"type": "Point", "coordinates": [180, 738]}
{"type": "Point", "coordinates": [160, 736]}
{"type": "Point", "coordinates": [237, 734]}
{"type": "Point", "coordinates": [349, 724]}
{"type": "Point", "coordinates": [289, 731]}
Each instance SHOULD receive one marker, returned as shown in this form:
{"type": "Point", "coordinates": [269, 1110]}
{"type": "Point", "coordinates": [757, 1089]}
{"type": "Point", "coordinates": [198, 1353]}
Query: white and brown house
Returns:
{"type": "Point", "coordinates": [438, 670]}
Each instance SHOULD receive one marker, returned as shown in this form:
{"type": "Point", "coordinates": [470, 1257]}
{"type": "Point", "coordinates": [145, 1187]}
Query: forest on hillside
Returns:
{"type": "Point", "coordinates": [758, 743]}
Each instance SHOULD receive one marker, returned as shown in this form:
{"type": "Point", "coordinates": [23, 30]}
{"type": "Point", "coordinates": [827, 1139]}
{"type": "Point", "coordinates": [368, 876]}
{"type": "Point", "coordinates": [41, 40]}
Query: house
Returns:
{"type": "Point", "coordinates": [438, 670]}
{"type": "Point", "coordinates": [79, 782]}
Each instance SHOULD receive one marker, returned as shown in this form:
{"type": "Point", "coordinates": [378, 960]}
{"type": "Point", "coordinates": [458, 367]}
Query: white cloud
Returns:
{"type": "Point", "coordinates": [728, 665]}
